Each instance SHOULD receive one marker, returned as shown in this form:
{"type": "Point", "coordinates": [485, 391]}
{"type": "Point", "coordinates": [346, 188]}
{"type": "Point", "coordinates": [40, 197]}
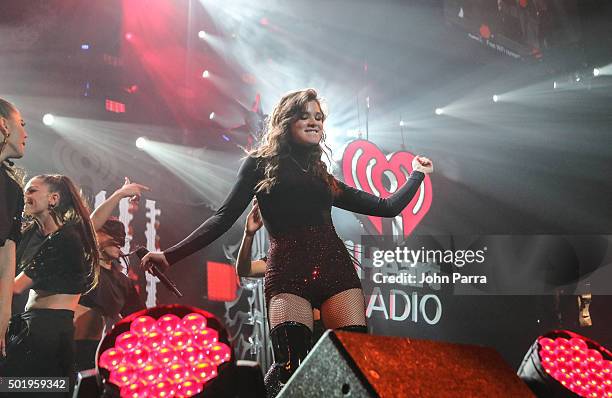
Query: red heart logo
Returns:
{"type": "Point", "coordinates": [364, 166]}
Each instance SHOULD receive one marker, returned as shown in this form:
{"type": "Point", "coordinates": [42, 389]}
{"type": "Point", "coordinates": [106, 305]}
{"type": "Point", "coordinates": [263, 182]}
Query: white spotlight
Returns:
{"type": "Point", "coordinates": [555, 85]}
{"type": "Point", "coordinates": [596, 72]}
{"type": "Point", "coordinates": [206, 74]}
{"type": "Point", "coordinates": [402, 124]}
{"type": "Point", "coordinates": [212, 115]}
{"type": "Point", "coordinates": [202, 35]}
{"type": "Point", "coordinates": [48, 119]}
{"type": "Point", "coordinates": [439, 111]}
{"type": "Point", "coordinates": [495, 98]}
{"type": "Point", "coordinates": [141, 142]}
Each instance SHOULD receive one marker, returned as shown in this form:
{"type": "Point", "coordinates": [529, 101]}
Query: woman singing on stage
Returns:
{"type": "Point", "coordinates": [57, 259]}
{"type": "Point", "coordinates": [308, 265]}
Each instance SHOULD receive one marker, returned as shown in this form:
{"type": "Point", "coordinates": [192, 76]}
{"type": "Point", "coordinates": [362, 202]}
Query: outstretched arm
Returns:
{"type": "Point", "coordinates": [357, 201]}
{"type": "Point", "coordinates": [244, 266]}
{"type": "Point", "coordinates": [104, 211]}
{"type": "Point", "coordinates": [233, 206]}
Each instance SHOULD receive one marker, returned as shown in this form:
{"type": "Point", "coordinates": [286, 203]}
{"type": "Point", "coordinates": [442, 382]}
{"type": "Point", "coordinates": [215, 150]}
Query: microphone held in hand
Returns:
{"type": "Point", "coordinates": [141, 252]}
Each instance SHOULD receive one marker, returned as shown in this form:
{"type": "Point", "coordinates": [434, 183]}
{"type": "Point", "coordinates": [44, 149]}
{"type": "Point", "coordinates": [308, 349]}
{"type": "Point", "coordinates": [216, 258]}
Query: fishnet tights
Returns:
{"type": "Point", "coordinates": [285, 307]}
{"type": "Point", "coordinates": [346, 308]}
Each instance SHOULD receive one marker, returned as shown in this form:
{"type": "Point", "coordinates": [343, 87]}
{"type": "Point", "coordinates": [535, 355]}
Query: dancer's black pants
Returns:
{"type": "Point", "coordinates": [47, 349]}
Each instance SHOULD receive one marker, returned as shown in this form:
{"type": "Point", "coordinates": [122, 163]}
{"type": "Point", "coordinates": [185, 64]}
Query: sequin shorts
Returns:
{"type": "Point", "coordinates": [310, 262]}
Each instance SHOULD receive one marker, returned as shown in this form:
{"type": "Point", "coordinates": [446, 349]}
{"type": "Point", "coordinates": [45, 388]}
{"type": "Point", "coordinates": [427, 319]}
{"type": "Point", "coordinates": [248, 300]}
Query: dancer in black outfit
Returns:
{"type": "Point", "coordinates": [12, 146]}
{"type": "Point", "coordinates": [308, 265]}
{"type": "Point", "coordinates": [57, 258]}
{"type": "Point", "coordinates": [115, 296]}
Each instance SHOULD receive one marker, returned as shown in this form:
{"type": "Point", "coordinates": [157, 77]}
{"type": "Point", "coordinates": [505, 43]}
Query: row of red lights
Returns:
{"type": "Point", "coordinates": [167, 357]}
{"type": "Point", "coordinates": [577, 367]}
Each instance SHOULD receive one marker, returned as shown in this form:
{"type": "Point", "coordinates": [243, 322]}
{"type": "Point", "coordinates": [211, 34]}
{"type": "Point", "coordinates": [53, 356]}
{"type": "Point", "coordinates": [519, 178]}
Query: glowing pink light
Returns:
{"type": "Point", "coordinates": [205, 338]}
{"type": "Point", "coordinates": [547, 344]}
{"type": "Point", "coordinates": [179, 339]}
{"type": "Point", "coordinates": [126, 341]}
{"type": "Point", "coordinates": [134, 390]}
{"type": "Point", "coordinates": [178, 372]}
{"type": "Point", "coordinates": [189, 388]}
{"type": "Point", "coordinates": [123, 376]}
{"type": "Point", "coordinates": [193, 355]}
{"type": "Point", "coordinates": [204, 371]}
{"type": "Point", "coordinates": [220, 353]}
{"type": "Point", "coordinates": [143, 325]}
{"type": "Point", "coordinates": [110, 359]}
{"type": "Point", "coordinates": [153, 340]}
{"type": "Point", "coordinates": [163, 389]}
{"type": "Point", "coordinates": [138, 357]}
{"type": "Point", "coordinates": [193, 322]}
{"type": "Point", "coordinates": [168, 323]}
{"type": "Point", "coordinates": [594, 356]}
{"type": "Point", "coordinates": [577, 344]}
{"type": "Point", "coordinates": [151, 373]}
{"type": "Point", "coordinates": [580, 369]}
{"type": "Point", "coordinates": [165, 356]}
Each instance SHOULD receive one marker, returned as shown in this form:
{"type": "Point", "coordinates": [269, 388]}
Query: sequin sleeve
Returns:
{"type": "Point", "coordinates": [11, 205]}
{"type": "Point", "coordinates": [361, 202]}
{"type": "Point", "coordinates": [60, 265]}
{"type": "Point", "coordinates": [233, 206]}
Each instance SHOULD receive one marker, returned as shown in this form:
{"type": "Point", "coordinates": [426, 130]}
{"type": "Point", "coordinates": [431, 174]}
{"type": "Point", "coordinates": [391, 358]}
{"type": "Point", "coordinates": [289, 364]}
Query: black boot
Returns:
{"type": "Point", "coordinates": [354, 328]}
{"type": "Point", "coordinates": [291, 342]}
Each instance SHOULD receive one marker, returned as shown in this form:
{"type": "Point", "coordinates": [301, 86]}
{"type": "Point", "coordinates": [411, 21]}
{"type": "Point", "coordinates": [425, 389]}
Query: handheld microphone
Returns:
{"type": "Point", "coordinates": [141, 252]}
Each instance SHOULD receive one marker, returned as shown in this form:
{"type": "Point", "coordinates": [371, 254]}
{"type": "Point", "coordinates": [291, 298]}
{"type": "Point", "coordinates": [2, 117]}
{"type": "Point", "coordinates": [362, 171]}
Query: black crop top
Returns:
{"type": "Point", "coordinates": [114, 295]}
{"type": "Point", "coordinates": [299, 199]}
{"type": "Point", "coordinates": [59, 265]}
{"type": "Point", "coordinates": [11, 206]}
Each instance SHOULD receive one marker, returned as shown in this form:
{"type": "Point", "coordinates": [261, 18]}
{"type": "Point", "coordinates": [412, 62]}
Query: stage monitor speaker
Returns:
{"type": "Point", "coordinates": [86, 384]}
{"type": "Point", "coordinates": [345, 364]}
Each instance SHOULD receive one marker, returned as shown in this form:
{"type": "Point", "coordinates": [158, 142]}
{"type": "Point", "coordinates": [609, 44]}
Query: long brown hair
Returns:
{"type": "Point", "coordinates": [276, 141]}
{"type": "Point", "coordinates": [6, 111]}
{"type": "Point", "coordinates": [72, 207]}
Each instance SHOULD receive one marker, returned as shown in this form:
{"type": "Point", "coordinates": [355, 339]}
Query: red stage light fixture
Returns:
{"type": "Point", "coordinates": [564, 364]}
{"type": "Point", "coordinates": [169, 351]}
{"type": "Point", "coordinates": [114, 106]}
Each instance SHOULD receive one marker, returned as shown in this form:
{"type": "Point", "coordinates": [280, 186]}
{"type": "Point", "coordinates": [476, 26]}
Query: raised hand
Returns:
{"type": "Point", "coordinates": [422, 164]}
{"type": "Point", "coordinates": [131, 190]}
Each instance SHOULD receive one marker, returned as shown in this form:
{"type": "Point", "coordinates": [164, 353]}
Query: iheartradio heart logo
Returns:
{"type": "Point", "coordinates": [366, 167]}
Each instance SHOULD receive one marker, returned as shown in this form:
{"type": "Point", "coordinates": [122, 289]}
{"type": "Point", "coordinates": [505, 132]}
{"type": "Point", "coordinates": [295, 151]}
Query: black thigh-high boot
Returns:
{"type": "Point", "coordinates": [354, 328]}
{"type": "Point", "coordinates": [291, 342]}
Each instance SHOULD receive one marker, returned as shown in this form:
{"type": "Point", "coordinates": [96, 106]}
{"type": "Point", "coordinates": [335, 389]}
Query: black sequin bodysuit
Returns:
{"type": "Point", "coordinates": [306, 257]}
